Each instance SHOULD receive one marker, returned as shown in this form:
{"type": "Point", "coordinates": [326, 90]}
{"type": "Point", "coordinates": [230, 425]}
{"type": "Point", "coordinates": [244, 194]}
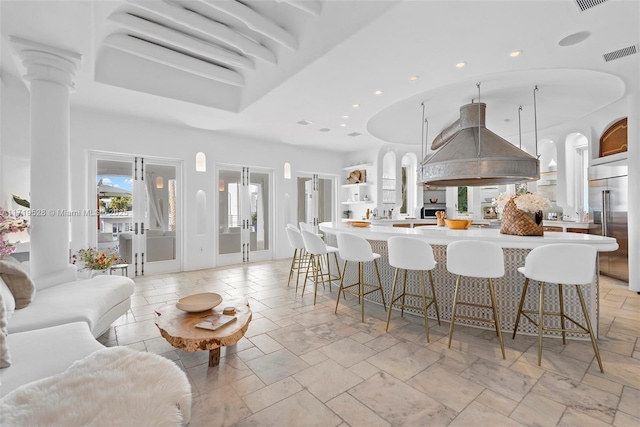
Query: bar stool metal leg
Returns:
{"type": "Point", "coordinates": [453, 311]}
{"type": "Point", "coordinates": [375, 264]}
{"type": "Point", "coordinates": [589, 328]}
{"type": "Point", "coordinates": [293, 263]}
{"type": "Point", "coordinates": [435, 300]}
{"type": "Point", "coordinates": [424, 303]}
{"type": "Point", "coordinates": [341, 288]}
{"type": "Point", "coordinates": [540, 322]}
{"type": "Point", "coordinates": [496, 316]}
{"type": "Point", "coordinates": [562, 326]}
{"type": "Point", "coordinates": [524, 294]}
{"type": "Point", "coordinates": [392, 300]}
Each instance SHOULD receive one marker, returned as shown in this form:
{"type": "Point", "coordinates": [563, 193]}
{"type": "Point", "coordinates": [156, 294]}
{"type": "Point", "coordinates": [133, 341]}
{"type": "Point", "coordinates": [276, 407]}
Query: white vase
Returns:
{"type": "Point", "coordinates": [95, 273]}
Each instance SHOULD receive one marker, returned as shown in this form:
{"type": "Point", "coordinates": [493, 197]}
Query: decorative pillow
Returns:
{"type": "Point", "coordinates": [9, 301]}
{"type": "Point", "coordinates": [17, 279]}
{"type": "Point", "coordinates": [5, 358]}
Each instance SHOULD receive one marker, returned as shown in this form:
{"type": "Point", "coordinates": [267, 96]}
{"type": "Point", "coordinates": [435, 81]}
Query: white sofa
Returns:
{"type": "Point", "coordinates": [52, 346]}
{"type": "Point", "coordinates": [60, 324]}
{"type": "Point", "coordinates": [62, 299]}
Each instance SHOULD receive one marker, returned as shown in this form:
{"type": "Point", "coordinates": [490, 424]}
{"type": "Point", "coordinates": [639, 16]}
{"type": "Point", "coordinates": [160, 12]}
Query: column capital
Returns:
{"type": "Point", "coordinates": [42, 62]}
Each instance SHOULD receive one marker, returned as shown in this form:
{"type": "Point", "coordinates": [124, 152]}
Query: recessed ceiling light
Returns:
{"type": "Point", "coordinates": [356, 105]}
{"type": "Point", "coordinates": [354, 134]}
{"type": "Point", "coordinates": [345, 117]}
{"type": "Point", "coordinates": [342, 125]}
{"type": "Point", "coordinates": [304, 122]}
{"type": "Point", "coordinates": [378, 92]}
{"type": "Point", "coordinates": [515, 53]}
{"type": "Point", "coordinates": [413, 78]}
{"type": "Point", "coordinates": [324, 129]}
{"type": "Point", "coordinates": [460, 64]}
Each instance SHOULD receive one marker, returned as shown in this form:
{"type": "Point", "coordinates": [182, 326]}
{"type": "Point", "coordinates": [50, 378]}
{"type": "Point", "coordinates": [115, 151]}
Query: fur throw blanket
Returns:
{"type": "Point", "coordinates": [18, 281]}
{"type": "Point", "coordinates": [112, 387]}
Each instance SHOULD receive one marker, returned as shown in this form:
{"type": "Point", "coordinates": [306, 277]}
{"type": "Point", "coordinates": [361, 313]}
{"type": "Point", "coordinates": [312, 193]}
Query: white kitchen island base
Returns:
{"type": "Point", "coordinates": [508, 288]}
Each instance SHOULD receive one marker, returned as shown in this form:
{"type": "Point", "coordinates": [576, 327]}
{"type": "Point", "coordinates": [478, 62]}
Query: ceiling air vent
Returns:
{"type": "Point", "coordinates": [620, 53]}
{"type": "Point", "coordinates": [304, 122]}
{"type": "Point", "coordinates": [588, 4]}
{"type": "Point", "coordinates": [354, 134]}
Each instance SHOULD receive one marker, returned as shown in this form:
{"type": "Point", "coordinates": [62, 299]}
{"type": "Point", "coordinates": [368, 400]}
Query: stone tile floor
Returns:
{"type": "Point", "coordinates": [303, 365]}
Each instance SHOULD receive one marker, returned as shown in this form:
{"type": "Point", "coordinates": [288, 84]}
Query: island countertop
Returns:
{"type": "Point", "coordinates": [443, 236]}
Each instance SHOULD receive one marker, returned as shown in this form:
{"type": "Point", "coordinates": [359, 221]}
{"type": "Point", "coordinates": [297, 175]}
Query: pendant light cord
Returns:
{"type": "Point", "coordinates": [424, 139]}
{"type": "Point", "coordinates": [520, 126]}
{"type": "Point", "coordinates": [479, 114]}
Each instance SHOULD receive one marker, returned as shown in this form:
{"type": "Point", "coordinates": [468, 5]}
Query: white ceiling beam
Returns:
{"type": "Point", "coordinates": [180, 40]}
{"type": "Point", "coordinates": [253, 20]}
{"type": "Point", "coordinates": [206, 28]}
{"type": "Point", "coordinates": [171, 58]}
{"type": "Point", "coordinates": [312, 7]}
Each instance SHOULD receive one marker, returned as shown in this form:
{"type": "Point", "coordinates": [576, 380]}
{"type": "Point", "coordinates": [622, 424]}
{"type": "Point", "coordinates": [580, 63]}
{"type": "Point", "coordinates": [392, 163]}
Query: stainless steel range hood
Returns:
{"type": "Point", "coordinates": [472, 155]}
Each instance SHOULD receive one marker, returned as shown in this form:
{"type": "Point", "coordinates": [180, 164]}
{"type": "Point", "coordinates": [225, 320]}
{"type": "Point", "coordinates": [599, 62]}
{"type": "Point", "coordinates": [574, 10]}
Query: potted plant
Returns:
{"type": "Point", "coordinates": [347, 214]}
{"type": "Point", "coordinates": [96, 261]}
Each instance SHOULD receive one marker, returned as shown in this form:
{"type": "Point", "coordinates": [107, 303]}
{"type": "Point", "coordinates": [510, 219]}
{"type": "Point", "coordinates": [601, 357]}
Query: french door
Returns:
{"type": "Point", "coordinates": [138, 202]}
{"type": "Point", "coordinates": [244, 214]}
{"type": "Point", "coordinates": [315, 199]}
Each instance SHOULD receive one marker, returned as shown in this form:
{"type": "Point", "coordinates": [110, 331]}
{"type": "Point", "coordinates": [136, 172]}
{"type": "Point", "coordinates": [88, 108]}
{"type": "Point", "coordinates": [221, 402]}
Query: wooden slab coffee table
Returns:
{"type": "Point", "coordinates": [179, 328]}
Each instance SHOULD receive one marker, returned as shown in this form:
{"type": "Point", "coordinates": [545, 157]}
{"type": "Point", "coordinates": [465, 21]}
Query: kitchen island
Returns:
{"type": "Point", "coordinates": [508, 288]}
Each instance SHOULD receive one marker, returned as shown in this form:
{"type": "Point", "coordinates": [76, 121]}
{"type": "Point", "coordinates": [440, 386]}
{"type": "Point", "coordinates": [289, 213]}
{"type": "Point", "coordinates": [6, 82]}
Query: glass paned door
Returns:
{"type": "Point", "coordinates": [244, 232]}
{"type": "Point", "coordinates": [315, 199]}
{"type": "Point", "coordinates": [139, 212]}
{"type": "Point", "coordinates": [161, 214]}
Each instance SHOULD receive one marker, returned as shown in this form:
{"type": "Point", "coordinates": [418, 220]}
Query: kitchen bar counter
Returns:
{"type": "Point", "coordinates": [508, 287]}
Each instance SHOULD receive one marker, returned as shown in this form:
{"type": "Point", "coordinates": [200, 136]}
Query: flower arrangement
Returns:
{"type": "Point", "coordinates": [527, 202]}
{"type": "Point", "coordinates": [93, 259]}
{"type": "Point", "coordinates": [9, 224]}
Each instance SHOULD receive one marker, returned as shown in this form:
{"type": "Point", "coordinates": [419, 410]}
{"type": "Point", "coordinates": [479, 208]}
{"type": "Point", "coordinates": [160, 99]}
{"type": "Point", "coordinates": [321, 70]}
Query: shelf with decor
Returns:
{"type": "Point", "coordinates": [357, 189]}
{"type": "Point", "coordinates": [353, 194]}
{"type": "Point", "coordinates": [434, 197]}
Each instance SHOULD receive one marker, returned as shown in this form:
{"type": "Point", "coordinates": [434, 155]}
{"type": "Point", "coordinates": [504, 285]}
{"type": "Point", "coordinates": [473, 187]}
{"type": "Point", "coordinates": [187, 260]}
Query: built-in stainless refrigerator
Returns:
{"type": "Point", "coordinates": [608, 205]}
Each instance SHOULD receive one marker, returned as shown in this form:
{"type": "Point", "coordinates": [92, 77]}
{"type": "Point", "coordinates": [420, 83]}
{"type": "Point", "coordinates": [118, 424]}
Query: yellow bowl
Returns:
{"type": "Point", "coordinates": [359, 224]}
{"type": "Point", "coordinates": [458, 224]}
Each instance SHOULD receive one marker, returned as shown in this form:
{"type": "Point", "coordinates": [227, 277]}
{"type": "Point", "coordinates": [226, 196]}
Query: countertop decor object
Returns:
{"type": "Point", "coordinates": [521, 223]}
{"type": "Point", "coordinates": [433, 200]}
{"type": "Point", "coordinates": [458, 224]}
{"type": "Point", "coordinates": [359, 223]}
{"type": "Point", "coordinates": [199, 302]}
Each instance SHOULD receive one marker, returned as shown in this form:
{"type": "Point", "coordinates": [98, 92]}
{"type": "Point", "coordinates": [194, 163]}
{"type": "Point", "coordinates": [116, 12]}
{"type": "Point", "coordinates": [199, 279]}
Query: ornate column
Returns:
{"type": "Point", "coordinates": [49, 73]}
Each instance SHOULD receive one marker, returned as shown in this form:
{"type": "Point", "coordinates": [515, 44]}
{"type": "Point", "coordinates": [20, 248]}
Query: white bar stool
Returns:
{"type": "Point", "coordinates": [317, 250]}
{"type": "Point", "coordinates": [565, 264]}
{"type": "Point", "coordinates": [408, 253]}
{"type": "Point", "coordinates": [473, 258]}
{"type": "Point", "coordinates": [300, 257]}
{"type": "Point", "coordinates": [356, 249]}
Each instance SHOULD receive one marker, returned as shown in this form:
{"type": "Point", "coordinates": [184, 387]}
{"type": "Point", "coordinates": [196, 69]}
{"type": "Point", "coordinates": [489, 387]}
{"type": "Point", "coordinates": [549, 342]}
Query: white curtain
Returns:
{"type": "Point", "coordinates": [155, 202]}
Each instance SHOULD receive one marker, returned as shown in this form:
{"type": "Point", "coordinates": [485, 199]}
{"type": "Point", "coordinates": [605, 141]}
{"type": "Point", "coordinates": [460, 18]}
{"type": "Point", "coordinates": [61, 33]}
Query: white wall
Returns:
{"type": "Point", "coordinates": [119, 134]}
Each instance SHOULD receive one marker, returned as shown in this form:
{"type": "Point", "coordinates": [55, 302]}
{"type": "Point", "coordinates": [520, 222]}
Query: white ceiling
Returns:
{"type": "Point", "coordinates": [344, 54]}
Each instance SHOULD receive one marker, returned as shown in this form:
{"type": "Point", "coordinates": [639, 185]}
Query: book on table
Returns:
{"type": "Point", "coordinates": [215, 322]}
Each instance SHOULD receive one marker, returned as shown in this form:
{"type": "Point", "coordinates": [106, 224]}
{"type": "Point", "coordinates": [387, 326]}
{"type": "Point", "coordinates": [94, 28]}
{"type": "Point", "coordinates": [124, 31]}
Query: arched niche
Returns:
{"type": "Point", "coordinates": [201, 162]}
